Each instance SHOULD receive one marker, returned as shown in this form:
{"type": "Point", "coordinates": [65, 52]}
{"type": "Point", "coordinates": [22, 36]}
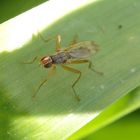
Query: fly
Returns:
{"type": "Point", "coordinates": [75, 53]}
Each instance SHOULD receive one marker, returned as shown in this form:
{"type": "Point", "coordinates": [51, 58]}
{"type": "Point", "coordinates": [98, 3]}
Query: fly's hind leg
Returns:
{"type": "Point", "coordinates": [76, 81]}
{"type": "Point", "coordinates": [51, 72]}
{"type": "Point", "coordinates": [90, 65]}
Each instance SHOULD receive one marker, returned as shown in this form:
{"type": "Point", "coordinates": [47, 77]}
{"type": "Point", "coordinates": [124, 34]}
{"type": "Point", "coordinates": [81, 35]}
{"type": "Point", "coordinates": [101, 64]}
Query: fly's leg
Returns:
{"type": "Point", "coordinates": [72, 43]}
{"type": "Point", "coordinates": [51, 72]}
{"type": "Point", "coordinates": [90, 66]}
{"type": "Point", "coordinates": [57, 40]}
{"type": "Point", "coordinates": [32, 61]}
{"type": "Point", "coordinates": [76, 81]}
{"type": "Point", "coordinates": [44, 39]}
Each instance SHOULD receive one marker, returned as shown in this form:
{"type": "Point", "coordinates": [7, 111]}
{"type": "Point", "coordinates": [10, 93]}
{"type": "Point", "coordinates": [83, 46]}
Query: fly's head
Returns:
{"type": "Point", "coordinates": [46, 61]}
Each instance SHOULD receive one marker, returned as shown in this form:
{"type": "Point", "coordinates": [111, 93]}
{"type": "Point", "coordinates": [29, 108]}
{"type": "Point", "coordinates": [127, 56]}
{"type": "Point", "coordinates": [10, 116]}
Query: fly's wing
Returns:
{"type": "Point", "coordinates": [83, 49]}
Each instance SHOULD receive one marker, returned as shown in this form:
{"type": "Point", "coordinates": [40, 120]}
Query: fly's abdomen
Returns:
{"type": "Point", "coordinates": [60, 58]}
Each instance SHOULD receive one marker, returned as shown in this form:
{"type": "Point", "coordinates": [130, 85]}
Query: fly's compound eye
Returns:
{"type": "Point", "coordinates": [46, 61]}
{"type": "Point", "coordinates": [48, 65]}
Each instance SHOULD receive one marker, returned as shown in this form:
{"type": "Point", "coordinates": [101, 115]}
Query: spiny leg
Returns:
{"type": "Point", "coordinates": [76, 81]}
{"type": "Point", "coordinates": [43, 82]}
{"type": "Point", "coordinates": [57, 40]}
{"type": "Point", "coordinates": [90, 66]}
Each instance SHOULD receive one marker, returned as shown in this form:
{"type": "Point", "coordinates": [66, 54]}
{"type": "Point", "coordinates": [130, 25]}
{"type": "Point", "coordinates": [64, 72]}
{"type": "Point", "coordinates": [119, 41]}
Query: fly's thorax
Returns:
{"type": "Point", "coordinates": [60, 57]}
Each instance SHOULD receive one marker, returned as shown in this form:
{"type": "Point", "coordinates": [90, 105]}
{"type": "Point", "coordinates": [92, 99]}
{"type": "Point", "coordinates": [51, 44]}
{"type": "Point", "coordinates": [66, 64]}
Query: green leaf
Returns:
{"type": "Point", "coordinates": [54, 113]}
{"type": "Point", "coordinates": [122, 107]}
{"type": "Point", "coordinates": [126, 128]}
{"type": "Point", "coordinates": [15, 8]}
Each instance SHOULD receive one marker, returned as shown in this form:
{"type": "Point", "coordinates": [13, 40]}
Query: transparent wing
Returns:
{"type": "Point", "coordinates": [83, 49]}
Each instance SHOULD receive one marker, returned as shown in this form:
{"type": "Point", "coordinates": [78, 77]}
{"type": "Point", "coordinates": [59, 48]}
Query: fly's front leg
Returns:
{"type": "Point", "coordinates": [90, 66]}
{"type": "Point", "coordinates": [32, 61]}
{"type": "Point", "coordinates": [57, 39]}
{"type": "Point", "coordinates": [44, 39]}
{"type": "Point", "coordinates": [76, 81]}
{"type": "Point", "coordinates": [51, 72]}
